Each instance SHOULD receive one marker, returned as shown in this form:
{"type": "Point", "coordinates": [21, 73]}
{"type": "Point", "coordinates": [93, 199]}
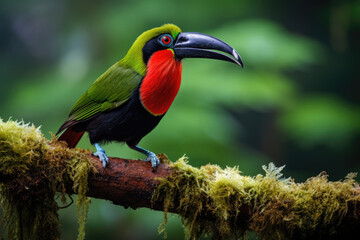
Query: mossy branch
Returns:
{"type": "Point", "coordinates": [221, 203]}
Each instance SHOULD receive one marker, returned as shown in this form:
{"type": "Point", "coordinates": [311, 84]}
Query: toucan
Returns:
{"type": "Point", "coordinates": [128, 100]}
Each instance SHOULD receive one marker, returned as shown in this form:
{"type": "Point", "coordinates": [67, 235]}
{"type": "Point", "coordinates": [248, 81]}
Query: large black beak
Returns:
{"type": "Point", "coordinates": [197, 45]}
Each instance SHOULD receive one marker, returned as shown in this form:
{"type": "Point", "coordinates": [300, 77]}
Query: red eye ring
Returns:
{"type": "Point", "coordinates": [166, 40]}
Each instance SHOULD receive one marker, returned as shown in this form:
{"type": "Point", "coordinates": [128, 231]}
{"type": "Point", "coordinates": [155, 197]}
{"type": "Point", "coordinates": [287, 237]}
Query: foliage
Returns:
{"type": "Point", "coordinates": [310, 123]}
{"type": "Point", "coordinates": [295, 102]}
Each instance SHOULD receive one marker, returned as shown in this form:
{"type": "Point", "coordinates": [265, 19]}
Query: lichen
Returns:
{"type": "Point", "coordinates": [43, 170]}
{"type": "Point", "coordinates": [225, 204]}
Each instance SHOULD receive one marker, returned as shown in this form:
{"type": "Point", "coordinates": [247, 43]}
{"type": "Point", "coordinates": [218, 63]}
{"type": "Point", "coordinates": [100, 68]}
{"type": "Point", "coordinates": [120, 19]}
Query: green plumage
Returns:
{"type": "Point", "coordinates": [109, 91]}
{"type": "Point", "coordinates": [116, 106]}
{"type": "Point", "coordinates": [114, 87]}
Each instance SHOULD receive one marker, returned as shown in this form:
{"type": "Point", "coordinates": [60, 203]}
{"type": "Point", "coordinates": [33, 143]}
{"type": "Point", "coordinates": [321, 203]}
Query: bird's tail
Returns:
{"type": "Point", "coordinates": [71, 137]}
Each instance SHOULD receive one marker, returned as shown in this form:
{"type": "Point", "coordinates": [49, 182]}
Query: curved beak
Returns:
{"type": "Point", "coordinates": [197, 45]}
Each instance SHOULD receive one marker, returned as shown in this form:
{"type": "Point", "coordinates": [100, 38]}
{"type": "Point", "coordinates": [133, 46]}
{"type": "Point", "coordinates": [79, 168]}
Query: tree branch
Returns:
{"type": "Point", "coordinates": [131, 183]}
{"type": "Point", "coordinates": [210, 200]}
{"type": "Point", "coordinates": [125, 182]}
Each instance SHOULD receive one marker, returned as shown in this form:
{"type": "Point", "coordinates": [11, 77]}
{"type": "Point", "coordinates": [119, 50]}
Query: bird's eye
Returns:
{"type": "Point", "coordinates": [166, 40]}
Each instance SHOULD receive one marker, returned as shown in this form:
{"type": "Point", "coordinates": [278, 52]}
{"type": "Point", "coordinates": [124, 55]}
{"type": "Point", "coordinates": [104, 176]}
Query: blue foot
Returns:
{"type": "Point", "coordinates": [100, 152]}
{"type": "Point", "coordinates": [151, 157]}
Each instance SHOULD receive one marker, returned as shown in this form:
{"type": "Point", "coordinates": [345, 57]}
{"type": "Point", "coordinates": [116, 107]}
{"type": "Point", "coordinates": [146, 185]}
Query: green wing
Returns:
{"type": "Point", "coordinates": [109, 91]}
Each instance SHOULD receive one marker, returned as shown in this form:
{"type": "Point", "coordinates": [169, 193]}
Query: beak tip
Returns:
{"type": "Point", "coordinates": [238, 58]}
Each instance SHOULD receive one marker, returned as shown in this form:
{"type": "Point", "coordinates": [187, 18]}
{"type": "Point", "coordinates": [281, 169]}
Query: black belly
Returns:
{"type": "Point", "coordinates": [128, 123]}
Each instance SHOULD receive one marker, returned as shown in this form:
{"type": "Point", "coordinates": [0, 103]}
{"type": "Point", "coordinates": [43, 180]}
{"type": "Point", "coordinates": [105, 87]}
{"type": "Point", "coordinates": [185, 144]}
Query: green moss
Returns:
{"type": "Point", "coordinates": [215, 202]}
{"type": "Point", "coordinates": [211, 201]}
{"type": "Point", "coordinates": [42, 169]}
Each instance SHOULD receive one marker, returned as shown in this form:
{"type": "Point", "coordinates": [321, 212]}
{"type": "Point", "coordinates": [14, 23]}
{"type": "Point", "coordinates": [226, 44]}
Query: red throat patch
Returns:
{"type": "Point", "coordinates": [161, 82]}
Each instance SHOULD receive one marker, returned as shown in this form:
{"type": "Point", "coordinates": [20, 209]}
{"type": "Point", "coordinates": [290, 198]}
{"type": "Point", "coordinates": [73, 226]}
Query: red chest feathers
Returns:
{"type": "Point", "coordinates": [161, 82]}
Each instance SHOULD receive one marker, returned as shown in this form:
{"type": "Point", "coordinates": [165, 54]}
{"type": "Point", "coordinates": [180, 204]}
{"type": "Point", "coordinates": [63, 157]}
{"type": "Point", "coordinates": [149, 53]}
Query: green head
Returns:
{"type": "Point", "coordinates": [135, 56]}
{"type": "Point", "coordinates": [184, 45]}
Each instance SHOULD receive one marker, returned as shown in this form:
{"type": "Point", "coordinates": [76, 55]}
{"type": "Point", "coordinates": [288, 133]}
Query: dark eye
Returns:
{"type": "Point", "coordinates": [166, 40]}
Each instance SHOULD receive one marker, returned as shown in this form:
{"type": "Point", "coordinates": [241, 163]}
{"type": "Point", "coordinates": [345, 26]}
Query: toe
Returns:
{"type": "Point", "coordinates": [102, 157]}
{"type": "Point", "coordinates": [154, 161]}
{"type": "Point", "coordinates": [104, 162]}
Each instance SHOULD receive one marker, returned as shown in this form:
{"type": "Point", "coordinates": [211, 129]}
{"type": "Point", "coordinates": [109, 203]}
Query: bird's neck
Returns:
{"type": "Point", "coordinates": [161, 82]}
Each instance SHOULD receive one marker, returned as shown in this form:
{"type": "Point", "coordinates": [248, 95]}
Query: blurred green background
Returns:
{"type": "Point", "coordinates": [295, 103]}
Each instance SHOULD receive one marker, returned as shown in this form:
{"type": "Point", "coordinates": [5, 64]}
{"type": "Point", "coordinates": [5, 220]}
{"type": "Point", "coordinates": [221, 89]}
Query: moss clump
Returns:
{"type": "Point", "coordinates": [33, 171]}
{"type": "Point", "coordinates": [227, 205]}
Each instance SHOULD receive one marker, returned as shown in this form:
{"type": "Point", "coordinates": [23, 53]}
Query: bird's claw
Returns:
{"type": "Point", "coordinates": [103, 158]}
{"type": "Point", "coordinates": [151, 157]}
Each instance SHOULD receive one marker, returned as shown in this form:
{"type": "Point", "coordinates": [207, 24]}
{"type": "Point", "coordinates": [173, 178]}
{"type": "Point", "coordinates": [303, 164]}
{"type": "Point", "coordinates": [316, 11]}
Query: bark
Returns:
{"type": "Point", "coordinates": [129, 183]}
{"type": "Point", "coordinates": [210, 200]}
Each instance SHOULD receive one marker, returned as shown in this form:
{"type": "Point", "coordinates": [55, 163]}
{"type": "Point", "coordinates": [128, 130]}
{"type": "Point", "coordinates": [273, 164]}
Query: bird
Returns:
{"type": "Point", "coordinates": [128, 100]}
